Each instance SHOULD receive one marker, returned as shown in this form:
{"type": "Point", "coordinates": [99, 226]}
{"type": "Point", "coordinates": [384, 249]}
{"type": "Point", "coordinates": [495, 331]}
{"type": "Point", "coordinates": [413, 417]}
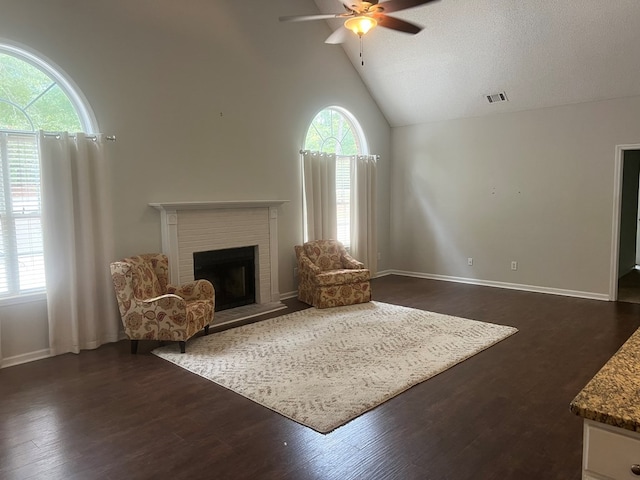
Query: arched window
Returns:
{"type": "Point", "coordinates": [335, 130]}
{"type": "Point", "coordinates": [34, 95]}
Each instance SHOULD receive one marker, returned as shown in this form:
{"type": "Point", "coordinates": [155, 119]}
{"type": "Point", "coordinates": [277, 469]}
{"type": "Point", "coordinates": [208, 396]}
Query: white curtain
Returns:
{"type": "Point", "coordinates": [364, 243]}
{"type": "Point", "coordinates": [77, 237]}
{"type": "Point", "coordinates": [319, 180]}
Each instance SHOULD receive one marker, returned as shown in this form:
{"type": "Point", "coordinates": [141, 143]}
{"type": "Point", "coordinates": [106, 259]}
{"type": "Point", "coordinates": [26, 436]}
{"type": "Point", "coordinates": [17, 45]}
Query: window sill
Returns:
{"type": "Point", "coordinates": [17, 300]}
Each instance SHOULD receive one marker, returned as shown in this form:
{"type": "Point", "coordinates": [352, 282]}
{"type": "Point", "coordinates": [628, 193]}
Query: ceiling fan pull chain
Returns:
{"type": "Point", "coordinates": [361, 52]}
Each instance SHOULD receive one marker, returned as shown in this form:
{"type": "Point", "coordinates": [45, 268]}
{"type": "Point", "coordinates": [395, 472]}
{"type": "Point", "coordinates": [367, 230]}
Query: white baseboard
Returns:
{"type": "Point", "coordinates": [509, 286]}
{"type": "Point", "coordinates": [384, 273]}
{"type": "Point", "coordinates": [25, 358]}
{"type": "Point", "coordinates": [285, 296]}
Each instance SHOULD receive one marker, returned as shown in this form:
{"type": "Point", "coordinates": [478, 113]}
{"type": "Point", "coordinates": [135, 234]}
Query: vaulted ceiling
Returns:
{"type": "Point", "coordinates": [540, 52]}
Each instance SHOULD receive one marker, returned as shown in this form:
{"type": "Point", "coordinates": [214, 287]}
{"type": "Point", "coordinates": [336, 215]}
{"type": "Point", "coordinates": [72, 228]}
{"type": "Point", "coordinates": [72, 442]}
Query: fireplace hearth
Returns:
{"type": "Point", "coordinates": [232, 272]}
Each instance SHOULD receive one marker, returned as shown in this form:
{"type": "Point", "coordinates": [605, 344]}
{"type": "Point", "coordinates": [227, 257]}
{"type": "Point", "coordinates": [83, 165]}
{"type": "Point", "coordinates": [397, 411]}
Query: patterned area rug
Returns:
{"type": "Point", "coordinates": [325, 367]}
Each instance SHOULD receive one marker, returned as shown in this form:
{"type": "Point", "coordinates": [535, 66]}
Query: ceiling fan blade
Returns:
{"type": "Point", "coordinates": [397, 24]}
{"type": "Point", "coordinates": [356, 5]}
{"type": "Point", "coordinates": [338, 36]}
{"type": "Point", "coordinates": [351, 5]}
{"type": "Point", "coordinates": [396, 5]}
{"type": "Point", "coordinates": [304, 18]}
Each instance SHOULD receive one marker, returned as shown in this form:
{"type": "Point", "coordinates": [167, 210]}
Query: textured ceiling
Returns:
{"type": "Point", "coordinates": [540, 52]}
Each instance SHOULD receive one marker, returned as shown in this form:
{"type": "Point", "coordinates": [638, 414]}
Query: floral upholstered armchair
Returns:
{"type": "Point", "coordinates": [329, 277]}
{"type": "Point", "coordinates": [153, 310]}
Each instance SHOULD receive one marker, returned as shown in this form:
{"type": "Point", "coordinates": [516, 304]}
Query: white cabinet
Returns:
{"type": "Point", "coordinates": [610, 453]}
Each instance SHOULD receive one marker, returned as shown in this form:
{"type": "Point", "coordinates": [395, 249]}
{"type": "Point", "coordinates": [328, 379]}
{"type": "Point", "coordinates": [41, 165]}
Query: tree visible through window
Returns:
{"type": "Point", "coordinates": [334, 130]}
{"type": "Point", "coordinates": [30, 100]}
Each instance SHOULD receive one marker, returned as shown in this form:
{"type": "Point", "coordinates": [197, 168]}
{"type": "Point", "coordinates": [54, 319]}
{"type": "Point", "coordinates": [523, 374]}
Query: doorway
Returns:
{"type": "Point", "coordinates": [628, 258]}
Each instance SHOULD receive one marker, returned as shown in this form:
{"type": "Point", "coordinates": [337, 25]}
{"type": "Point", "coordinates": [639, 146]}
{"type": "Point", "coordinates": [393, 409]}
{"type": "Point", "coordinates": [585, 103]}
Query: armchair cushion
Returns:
{"type": "Point", "coordinates": [145, 280]}
{"type": "Point", "coordinates": [342, 276]}
{"type": "Point", "coordinates": [325, 254]}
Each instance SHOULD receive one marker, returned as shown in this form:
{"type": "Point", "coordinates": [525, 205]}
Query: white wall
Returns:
{"type": "Point", "coordinates": [208, 100]}
{"type": "Point", "coordinates": [534, 187]}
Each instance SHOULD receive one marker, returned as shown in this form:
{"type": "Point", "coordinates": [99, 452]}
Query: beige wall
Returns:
{"type": "Point", "coordinates": [24, 334]}
{"type": "Point", "coordinates": [534, 187]}
{"type": "Point", "coordinates": [208, 100]}
{"type": "Point", "coordinates": [201, 93]}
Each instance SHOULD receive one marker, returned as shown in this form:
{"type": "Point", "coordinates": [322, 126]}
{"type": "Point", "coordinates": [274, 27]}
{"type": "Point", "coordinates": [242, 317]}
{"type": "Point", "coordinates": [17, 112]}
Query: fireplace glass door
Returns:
{"type": "Point", "coordinates": [232, 272]}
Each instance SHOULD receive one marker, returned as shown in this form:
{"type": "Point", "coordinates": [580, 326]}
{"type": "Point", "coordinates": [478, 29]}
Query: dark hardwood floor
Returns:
{"type": "Point", "coordinates": [502, 414]}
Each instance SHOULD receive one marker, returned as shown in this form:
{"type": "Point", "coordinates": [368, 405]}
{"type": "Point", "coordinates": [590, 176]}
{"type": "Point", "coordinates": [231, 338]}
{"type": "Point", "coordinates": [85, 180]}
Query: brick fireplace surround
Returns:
{"type": "Point", "coordinates": [189, 227]}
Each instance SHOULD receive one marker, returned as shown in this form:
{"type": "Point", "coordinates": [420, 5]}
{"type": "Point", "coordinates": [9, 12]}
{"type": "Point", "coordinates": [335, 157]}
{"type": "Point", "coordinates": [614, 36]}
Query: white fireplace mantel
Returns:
{"type": "Point", "coordinates": [169, 218]}
{"type": "Point", "coordinates": [173, 206]}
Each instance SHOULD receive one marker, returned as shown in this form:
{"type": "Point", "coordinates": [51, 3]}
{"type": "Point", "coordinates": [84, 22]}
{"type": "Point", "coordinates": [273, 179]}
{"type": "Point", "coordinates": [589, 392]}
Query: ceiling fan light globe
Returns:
{"type": "Point", "coordinates": [360, 25]}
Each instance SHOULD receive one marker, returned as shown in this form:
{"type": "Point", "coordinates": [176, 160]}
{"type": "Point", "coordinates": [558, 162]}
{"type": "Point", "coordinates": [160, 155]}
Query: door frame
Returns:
{"type": "Point", "coordinates": [615, 223]}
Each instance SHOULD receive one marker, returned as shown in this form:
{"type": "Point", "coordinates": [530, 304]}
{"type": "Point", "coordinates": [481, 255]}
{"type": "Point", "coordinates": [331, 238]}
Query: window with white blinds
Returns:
{"type": "Point", "coordinates": [335, 130]}
{"type": "Point", "coordinates": [21, 255]}
{"type": "Point", "coordinates": [343, 200]}
{"type": "Point", "coordinates": [33, 96]}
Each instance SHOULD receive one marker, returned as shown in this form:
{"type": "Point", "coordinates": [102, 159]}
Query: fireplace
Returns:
{"type": "Point", "coordinates": [190, 227]}
{"type": "Point", "coordinates": [232, 272]}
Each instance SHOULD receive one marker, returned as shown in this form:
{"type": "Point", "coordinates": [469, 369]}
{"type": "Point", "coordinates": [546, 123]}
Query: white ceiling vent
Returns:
{"type": "Point", "coordinates": [497, 97]}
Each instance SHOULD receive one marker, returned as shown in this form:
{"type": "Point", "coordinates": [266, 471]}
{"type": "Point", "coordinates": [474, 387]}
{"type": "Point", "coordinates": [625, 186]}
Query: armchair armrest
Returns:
{"type": "Point", "coordinates": [168, 302]}
{"type": "Point", "coordinates": [307, 265]}
{"type": "Point", "coordinates": [196, 290]}
{"type": "Point", "coordinates": [349, 262]}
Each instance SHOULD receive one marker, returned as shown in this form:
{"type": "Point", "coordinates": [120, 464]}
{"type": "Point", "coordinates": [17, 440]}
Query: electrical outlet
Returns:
{"type": "Point", "coordinates": [470, 261]}
{"type": "Point", "coordinates": [379, 255]}
{"type": "Point", "coordinates": [514, 265]}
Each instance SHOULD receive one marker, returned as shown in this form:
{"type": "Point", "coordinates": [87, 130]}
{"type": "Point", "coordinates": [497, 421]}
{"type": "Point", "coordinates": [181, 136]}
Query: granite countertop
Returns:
{"type": "Point", "coordinates": [613, 395]}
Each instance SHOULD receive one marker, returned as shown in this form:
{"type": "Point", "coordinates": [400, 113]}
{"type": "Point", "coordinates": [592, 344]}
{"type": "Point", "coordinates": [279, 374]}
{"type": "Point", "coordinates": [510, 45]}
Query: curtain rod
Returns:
{"type": "Point", "coordinates": [302, 152]}
{"type": "Point", "coordinates": [90, 136]}
{"type": "Point", "coordinates": [111, 138]}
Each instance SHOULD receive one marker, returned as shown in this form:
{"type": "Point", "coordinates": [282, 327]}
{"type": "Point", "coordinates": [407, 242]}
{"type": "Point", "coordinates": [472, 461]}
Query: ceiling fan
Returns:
{"type": "Point", "coordinates": [360, 17]}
